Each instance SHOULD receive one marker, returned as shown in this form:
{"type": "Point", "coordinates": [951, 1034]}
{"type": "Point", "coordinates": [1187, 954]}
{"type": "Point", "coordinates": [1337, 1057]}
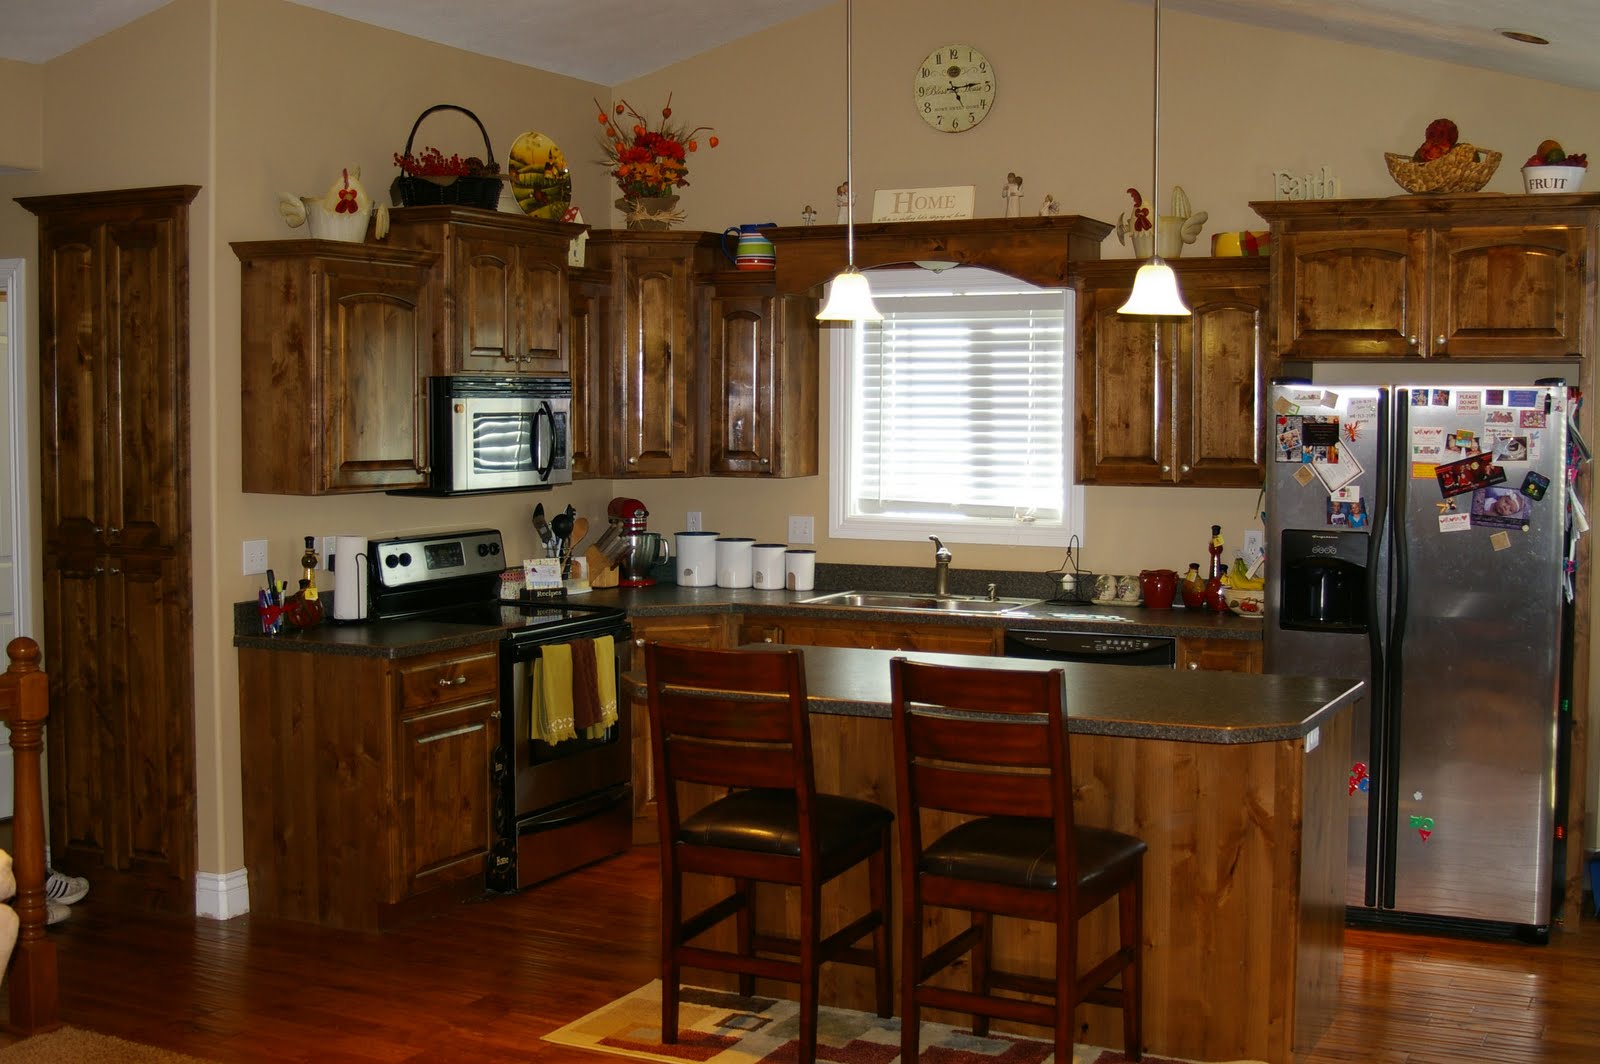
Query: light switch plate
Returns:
{"type": "Point", "coordinates": [802, 529]}
{"type": "Point", "coordinates": [255, 556]}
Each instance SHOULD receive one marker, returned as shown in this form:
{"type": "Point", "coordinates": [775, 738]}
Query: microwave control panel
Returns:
{"type": "Point", "coordinates": [429, 559]}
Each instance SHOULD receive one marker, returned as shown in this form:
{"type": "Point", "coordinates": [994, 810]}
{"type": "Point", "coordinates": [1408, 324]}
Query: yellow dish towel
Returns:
{"type": "Point", "coordinates": [551, 691]}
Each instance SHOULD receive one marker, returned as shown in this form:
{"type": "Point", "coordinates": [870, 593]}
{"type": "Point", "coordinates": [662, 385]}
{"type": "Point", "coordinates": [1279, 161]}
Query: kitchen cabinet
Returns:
{"type": "Point", "coordinates": [761, 377]}
{"type": "Point", "coordinates": [366, 781]}
{"type": "Point", "coordinates": [1433, 277]}
{"type": "Point", "coordinates": [696, 630]}
{"type": "Point", "coordinates": [653, 377]}
{"type": "Point", "coordinates": [589, 340]}
{"type": "Point", "coordinates": [500, 295]}
{"type": "Point", "coordinates": [1172, 401]}
{"type": "Point", "coordinates": [334, 360]}
{"type": "Point", "coordinates": [115, 521]}
{"type": "Point", "coordinates": [871, 634]}
{"type": "Point", "coordinates": [1220, 655]}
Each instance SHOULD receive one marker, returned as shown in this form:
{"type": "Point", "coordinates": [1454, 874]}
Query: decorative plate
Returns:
{"type": "Point", "coordinates": [540, 179]}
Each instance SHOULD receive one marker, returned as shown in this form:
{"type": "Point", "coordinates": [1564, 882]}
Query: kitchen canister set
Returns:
{"type": "Point", "coordinates": [709, 559]}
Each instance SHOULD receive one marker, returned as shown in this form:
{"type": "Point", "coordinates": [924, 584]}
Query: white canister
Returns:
{"type": "Point", "coordinates": [767, 566]}
{"type": "Point", "coordinates": [349, 565]}
{"type": "Point", "coordinates": [697, 558]}
{"type": "Point", "coordinates": [734, 561]}
{"type": "Point", "coordinates": [800, 569]}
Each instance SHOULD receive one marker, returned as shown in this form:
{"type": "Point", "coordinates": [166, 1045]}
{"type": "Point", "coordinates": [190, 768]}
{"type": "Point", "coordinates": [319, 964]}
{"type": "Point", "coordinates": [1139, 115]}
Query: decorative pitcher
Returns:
{"type": "Point", "coordinates": [1159, 587]}
{"type": "Point", "coordinates": [748, 248]}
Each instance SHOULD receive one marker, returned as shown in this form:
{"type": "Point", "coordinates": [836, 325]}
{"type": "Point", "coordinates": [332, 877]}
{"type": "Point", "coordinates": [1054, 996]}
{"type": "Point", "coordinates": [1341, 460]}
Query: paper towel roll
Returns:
{"type": "Point", "coordinates": [349, 564]}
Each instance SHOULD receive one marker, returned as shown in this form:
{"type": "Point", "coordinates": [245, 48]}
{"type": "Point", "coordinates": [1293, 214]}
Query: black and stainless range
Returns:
{"type": "Point", "coordinates": [555, 807]}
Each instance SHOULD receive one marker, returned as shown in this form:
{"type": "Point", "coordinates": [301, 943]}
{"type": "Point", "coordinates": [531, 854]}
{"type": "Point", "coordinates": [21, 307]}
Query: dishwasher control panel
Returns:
{"type": "Point", "coordinates": [1104, 648]}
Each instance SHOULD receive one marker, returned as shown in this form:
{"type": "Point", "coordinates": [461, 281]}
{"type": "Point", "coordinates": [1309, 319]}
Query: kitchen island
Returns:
{"type": "Point", "coordinates": [1237, 783]}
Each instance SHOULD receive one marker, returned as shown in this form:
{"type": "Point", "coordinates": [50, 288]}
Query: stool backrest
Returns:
{"type": "Point", "coordinates": [981, 742]}
{"type": "Point", "coordinates": [727, 718]}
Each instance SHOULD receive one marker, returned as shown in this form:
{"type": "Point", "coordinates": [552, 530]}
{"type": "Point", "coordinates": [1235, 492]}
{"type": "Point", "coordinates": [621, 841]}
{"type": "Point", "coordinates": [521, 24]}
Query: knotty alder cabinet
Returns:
{"type": "Point", "coordinates": [116, 527]}
{"type": "Point", "coordinates": [1172, 401]}
{"type": "Point", "coordinates": [1434, 277]}
{"type": "Point", "coordinates": [335, 358]}
{"type": "Point", "coordinates": [500, 294]}
{"type": "Point", "coordinates": [366, 781]}
{"type": "Point", "coordinates": [872, 635]}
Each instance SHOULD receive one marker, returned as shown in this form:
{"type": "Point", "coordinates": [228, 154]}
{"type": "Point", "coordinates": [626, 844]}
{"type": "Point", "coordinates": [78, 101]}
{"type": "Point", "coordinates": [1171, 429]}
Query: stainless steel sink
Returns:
{"type": "Point", "coordinates": [894, 600]}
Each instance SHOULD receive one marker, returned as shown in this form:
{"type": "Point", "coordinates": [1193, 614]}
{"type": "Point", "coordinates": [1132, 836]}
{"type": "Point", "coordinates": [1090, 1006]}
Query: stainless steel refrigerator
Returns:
{"type": "Point", "coordinates": [1417, 539]}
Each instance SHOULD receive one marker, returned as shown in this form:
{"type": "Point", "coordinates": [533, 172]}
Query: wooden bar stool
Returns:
{"type": "Point", "coordinates": [739, 720]}
{"type": "Point", "coordinates": [991, 745]}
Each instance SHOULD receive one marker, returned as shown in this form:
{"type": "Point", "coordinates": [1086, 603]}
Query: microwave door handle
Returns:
{"type": "Point", "coordinates": [546, 445]}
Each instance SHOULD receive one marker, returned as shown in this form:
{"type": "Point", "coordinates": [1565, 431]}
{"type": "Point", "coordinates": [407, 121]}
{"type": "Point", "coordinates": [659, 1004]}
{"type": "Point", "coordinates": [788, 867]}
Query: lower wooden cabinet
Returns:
{"type": "Point", "coordinates": [1220, 655]}
{"type": "Point", "coordinates": [872, 635]}
{"type": "Point", "coordinates": [366, 781]}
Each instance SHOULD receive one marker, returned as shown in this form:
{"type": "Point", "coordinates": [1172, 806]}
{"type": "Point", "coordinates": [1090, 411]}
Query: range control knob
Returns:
{"type": "Point", "coordinates": [391, 560]}
{"type": "Point", "coordinates": [494, 548]}
{"type": "Point", "coordinates": [483, 550]}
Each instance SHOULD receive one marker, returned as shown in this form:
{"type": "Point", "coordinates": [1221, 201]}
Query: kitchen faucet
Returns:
{"type": "Point", "coordinates": [941, 568]}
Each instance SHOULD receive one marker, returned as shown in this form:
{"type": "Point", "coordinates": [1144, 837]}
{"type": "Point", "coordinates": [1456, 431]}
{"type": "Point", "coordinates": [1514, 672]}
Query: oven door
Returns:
{"type": "Point", "coordinates": [563, 805]}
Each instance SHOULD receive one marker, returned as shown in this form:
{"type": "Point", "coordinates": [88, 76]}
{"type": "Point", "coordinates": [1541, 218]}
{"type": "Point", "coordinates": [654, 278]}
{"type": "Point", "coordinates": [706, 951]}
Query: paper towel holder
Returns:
{"type": "Point", "coordinates": [348, 563]}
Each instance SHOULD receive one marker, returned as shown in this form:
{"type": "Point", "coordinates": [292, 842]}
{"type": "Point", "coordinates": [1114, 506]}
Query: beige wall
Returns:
{"type": "Point", "coordinates": [252, 97]}
{"type": "Point", "coordinates": [21, 115]}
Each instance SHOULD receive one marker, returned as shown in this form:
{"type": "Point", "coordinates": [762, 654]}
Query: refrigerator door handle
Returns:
{"type": "Point", "coordinates": [1389, 782]}
{"type": "Point", "coordinates": [1377, 696]}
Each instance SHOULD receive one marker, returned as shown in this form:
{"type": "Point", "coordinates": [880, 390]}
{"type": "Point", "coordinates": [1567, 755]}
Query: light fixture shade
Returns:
{"type": "Point", "coordinates": [1155, 292]}
{"type": "Point", "coordinates": [850, 299]}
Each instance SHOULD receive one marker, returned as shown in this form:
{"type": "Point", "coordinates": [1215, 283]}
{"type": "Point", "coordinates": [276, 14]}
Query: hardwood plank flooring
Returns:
{"type": "Point", "coordinates": [482, 982]}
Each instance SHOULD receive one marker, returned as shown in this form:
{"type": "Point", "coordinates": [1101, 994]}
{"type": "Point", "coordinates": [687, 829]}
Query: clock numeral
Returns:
{"type": "Point", "coordinates": [927, 107]}
{"type": "Point", "coordinates": [955, 125]}
{"type": "Point", "coordinates": [927, 73]}
{"type": "Point", "coordinates": [983, 68]}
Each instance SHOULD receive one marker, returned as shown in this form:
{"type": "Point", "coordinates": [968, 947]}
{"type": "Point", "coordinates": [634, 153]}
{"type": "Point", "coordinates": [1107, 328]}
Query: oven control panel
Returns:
{"type": "Point", "coordinates": [428, 559]}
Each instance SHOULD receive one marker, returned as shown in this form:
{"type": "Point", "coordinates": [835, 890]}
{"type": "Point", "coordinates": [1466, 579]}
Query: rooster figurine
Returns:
{"type": "Point", "coordinates": [1180, 226]}
{"type": "Point", "coordinates": [340, 215]}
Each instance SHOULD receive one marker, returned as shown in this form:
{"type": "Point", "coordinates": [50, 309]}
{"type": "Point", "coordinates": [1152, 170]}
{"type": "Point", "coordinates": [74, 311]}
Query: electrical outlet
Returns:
{"type": "Point", "coordinates": [1254, 549]}
{"type": "Point", "coordinates": [802, 529]}
{"type": "Point", "coordinates": [255, 557]}
{"type": "Point", "coordinates": [327, 552]}
{"type": "Point", "coordinates": [692, 523]}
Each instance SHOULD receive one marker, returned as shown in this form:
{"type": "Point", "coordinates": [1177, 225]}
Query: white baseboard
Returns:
{"type": "Point", "coordinates": [221, 895]}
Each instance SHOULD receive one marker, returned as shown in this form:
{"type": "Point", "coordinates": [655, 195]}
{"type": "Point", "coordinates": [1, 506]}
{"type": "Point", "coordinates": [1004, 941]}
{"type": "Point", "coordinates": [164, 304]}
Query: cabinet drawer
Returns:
{"type": "Point", "coordinates": [449, 677]}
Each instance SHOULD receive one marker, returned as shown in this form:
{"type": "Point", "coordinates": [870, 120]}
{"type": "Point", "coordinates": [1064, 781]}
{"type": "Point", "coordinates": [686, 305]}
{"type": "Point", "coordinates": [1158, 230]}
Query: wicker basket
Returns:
{"type": "Point", "coordinates": [411, 191]}
{"type": "Point", "coordinates": [1464, 168]}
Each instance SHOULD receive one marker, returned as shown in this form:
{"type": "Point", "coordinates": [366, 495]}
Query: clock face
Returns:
{"type": "Point", "coordinates": [954, 88]}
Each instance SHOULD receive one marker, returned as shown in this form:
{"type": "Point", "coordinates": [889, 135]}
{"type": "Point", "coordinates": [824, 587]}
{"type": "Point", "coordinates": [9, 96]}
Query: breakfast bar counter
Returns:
{"type": "Point", "coordinates": [1238, 785]}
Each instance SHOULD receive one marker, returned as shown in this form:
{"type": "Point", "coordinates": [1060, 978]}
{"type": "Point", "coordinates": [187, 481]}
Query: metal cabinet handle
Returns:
{"type": "Point", "coordinates": [1186, 469]}
{"type": "Point", "coordinates": [1166, 469]}
{"type": "Point", "coordinates": [457, 682]}
{"type": "Point", "coordinates": [633, 461]}
{"type": "Point", "coordinates": [1194, 665]}
{"type": "Point", "coordinates": [465, 729]}
{"type": "Point", "coordinates": [1440, 341]}
{"type": "Point", "coordinates": [116, 531]}
{"type": "Point", "coordinates": [1412, 340]}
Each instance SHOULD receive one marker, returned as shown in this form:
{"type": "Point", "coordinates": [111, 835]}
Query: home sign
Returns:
{"type": "Point", "coordinates": [923, 204]}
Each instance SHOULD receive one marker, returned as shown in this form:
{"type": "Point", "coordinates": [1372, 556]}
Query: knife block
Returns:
{"type": "Point", "coordinates": [601, 572]}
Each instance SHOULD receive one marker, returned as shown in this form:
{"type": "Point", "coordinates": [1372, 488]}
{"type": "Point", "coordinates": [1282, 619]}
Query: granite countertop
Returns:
{"type": "Point", "coordinates": [400, 639]}
{"type": "Point", "coordinates": [1196, 707]}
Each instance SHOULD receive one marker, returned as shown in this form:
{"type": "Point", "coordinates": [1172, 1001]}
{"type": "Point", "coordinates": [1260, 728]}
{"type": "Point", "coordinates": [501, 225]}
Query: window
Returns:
{"type": "Point", "coordinates": [951, 416]}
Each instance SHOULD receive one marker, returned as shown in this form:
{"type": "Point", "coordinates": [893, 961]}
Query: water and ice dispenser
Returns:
{"type": "Point", "coordinates": [1324, 586]}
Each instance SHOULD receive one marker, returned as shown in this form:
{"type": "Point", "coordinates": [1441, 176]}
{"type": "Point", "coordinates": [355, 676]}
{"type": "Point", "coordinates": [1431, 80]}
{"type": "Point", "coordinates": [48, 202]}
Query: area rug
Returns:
{"type": "Point", "coordinates": [85, 1047]}
{"type": "Point", "coordinates": [721, 1027]}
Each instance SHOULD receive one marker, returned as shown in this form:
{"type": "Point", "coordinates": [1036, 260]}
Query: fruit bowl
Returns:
{"type": "Point", "coordinates": [1551, 179]}
{"type": "Point", "coordinates": [1245, 602]}
{"type": "Point", "coordinates": [1464, 168]}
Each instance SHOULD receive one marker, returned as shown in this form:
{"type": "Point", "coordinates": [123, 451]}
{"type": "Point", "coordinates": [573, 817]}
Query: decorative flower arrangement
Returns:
{"type": "Point", "coordinates": [431, 162]}
{"type": "Point", "coordinates": [645, 162]}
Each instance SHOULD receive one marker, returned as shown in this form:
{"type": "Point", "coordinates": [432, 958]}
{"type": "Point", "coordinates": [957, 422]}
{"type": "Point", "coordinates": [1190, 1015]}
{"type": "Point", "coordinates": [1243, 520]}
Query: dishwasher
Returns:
{"type": "Point", "coordinates": [1093, 648]}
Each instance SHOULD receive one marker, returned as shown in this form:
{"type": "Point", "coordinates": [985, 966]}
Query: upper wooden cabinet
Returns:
{"type": "Point", "coordinates": [500, 296]}
{"type": "Point", "coordinates": [334, 364]}
{"type": "Point", "coordinates": [761, 377]}
{"type": "Point", "coordinates": [1172, 401]}
{"type": "Point", "coordinates": [1433, 277]}
{"type": "Point", "coordinates": [588, 344]}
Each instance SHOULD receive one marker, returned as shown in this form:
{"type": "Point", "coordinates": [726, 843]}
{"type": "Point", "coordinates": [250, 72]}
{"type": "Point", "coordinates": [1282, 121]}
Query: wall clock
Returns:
{"type": "Point", "coordinates": [954, 88]}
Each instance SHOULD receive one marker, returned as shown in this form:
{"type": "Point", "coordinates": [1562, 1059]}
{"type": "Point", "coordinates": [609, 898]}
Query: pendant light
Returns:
{"type": "Point", "coordinates": [1155, 286]}
{"type": "Point", "coordinates": [849, 297]}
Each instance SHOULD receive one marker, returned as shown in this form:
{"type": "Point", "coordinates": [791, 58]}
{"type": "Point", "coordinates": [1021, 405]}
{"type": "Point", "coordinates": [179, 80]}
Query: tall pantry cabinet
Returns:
{"type": "Point", "coordinates": [118, 596]}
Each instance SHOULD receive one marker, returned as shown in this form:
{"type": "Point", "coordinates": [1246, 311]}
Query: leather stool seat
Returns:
{"type": "Point", "coordinates": [768, 821]}
{"type": "Point", "coordinates": [1021, 852]}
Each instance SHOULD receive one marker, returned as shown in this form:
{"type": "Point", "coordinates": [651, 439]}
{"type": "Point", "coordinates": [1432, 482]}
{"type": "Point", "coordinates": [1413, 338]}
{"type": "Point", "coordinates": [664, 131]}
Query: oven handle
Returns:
{"type": "Point", "coordinates": [465, 729]}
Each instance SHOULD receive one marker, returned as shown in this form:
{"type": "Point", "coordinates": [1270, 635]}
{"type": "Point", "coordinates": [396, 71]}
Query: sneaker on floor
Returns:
{"type": "Point", "coordinates": [55, 912]}
{"type": "Point", "coordinates": [67, 890]}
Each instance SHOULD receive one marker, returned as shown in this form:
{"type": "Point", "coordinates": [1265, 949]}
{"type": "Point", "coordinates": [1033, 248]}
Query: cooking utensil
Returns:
{"type": "Point", "coordinates": [580, 532]}
{"type": "Point", "coordinates": [561, 525]}
{"type": "Point", "coordinates": [541, 528]}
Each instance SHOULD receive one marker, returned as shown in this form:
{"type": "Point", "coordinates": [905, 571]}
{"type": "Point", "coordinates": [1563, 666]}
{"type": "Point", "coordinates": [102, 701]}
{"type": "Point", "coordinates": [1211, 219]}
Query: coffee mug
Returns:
{"type": "Point", "coordinates": [1128, 591]}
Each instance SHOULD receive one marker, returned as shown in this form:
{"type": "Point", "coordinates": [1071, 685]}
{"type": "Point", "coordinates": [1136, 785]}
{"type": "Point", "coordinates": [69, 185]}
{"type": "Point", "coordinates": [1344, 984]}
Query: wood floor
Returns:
{"type": "Point", "coordinates": [483, 982]}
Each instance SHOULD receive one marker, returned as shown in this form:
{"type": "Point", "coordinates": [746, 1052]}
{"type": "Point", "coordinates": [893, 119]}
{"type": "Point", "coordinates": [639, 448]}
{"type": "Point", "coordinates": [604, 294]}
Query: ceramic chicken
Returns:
{"type": "Point", "coordinates": [340, 215]}
{"type": "Point", "coordinates": [1180, 226]}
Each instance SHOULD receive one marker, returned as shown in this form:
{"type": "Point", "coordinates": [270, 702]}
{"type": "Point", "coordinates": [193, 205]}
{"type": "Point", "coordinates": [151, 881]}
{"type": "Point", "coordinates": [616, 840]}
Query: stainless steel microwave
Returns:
{"type": "Point", "coordinates": [498, 433]}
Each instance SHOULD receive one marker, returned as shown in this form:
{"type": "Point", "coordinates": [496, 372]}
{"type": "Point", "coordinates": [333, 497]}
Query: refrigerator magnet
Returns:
{"type": "Point", "coordinates": [1304, 475]}
{"type": "Point", "coordinates": [1523, 397]}
{"type": "Point", "coordinates": [1364, 410]}
{"type": "Point", "coordinates": [1500, 540]}
{"type": "Point", "coordinates": [1341, 471]}
{"type": "Point", "coordinates": [1427, 442]}
{"type": "Point", "coordinates": [1501, 508]}
{"type": "Point", "coordinates": [1499, 419]}
{"type": "Point", "coordinates": [1511, 449]}
{"type": "Point", "coordinates": [1468, 474]}
{"type": "Point", "coordinates": [1530, 419]}
{"type": "Point", "coordinates": [1351, 514]}
{"type": "Point", "coordinates": [1494, 397]}
{"type": "Point", "coordinates": [1468, 402]}
{"type": "Point", "coordinates": [1534, 485]}
{"type": "Point", "coordinates": [1439, 397]}
{"type": "Point", "coordinates": [1283, 407]}
{"type": "Point", "coordinates": [1462, 442]}
{"type": "Point", "coordinates": [1289, 444]}
{"type": "Point", "coordinates": [1454, 522]}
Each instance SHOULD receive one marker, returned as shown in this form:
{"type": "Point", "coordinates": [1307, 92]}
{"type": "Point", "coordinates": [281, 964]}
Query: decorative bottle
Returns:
{"type": "Point", "coordinates": [1214, 592]}
{"type": "Point", "coordinates": [1193, 588]}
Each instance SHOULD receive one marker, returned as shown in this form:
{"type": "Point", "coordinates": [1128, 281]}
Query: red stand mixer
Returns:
{"type": "Point", "coordinates": [645, 549]}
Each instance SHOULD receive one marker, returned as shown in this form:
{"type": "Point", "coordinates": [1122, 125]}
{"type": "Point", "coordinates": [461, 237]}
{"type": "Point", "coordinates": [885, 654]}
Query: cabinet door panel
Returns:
{"type": "Point", "coordinates": [376, 363]}
{"type": "Point", "coordinates": [74, 414]}
{"type": "Point", "coordinates": [1352, 295]}
{"type": "Point", "coordinates": [444, 792]}
{"type": "Point", "coordinates": [81, 740]}
{"type": "Point", "coordinates": [740, 384]}
{"type": "Point", "coordinates": [1124, 389]}
{"type": "Point", "coordinates": [1218, 412]}
{"type": "Point", "coordinates": [1220, 655]}
{"type": "Point", "coordinates": [540, 310]}
{"type": "Point", "coordinates": [658, 369]}
{"type": "Point", "coordinates": [588, 347]}
{"type": "Point", "coordinates": [1508, 292]}
{"type": "Point", "coordinates": [487, 296]}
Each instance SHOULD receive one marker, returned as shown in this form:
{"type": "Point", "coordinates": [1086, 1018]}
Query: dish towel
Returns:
{"type": "Point", "coordinates": [574, 689]}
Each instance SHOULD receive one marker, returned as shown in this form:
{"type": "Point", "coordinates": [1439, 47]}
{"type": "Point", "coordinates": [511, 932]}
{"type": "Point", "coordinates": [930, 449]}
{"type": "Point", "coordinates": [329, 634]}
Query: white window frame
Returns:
{"type": "Point", "coordinates": [842, 347]}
